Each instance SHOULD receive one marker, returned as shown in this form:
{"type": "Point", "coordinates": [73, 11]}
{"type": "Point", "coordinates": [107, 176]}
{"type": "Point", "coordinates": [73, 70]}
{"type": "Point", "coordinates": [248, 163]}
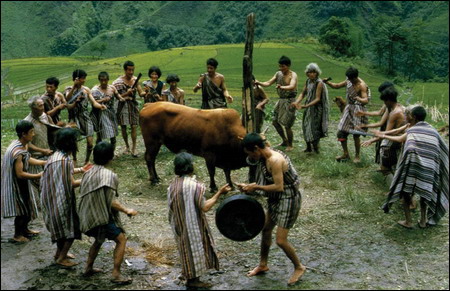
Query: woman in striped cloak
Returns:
{"type": "Point", "coordinates": [315, 117]}
{"type": "Point", "coordinates": [17, 198]}
{"type": "Point", "coordinates": [58, 196]}
{"type": "Point", "coordinates": [187, 207]}
{"type": "Point", "coordinates": [422, 170]}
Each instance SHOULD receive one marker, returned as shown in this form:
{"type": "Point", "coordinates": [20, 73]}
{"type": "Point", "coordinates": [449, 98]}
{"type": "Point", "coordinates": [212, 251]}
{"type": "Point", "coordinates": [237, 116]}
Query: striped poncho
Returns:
{"type": "Point", "coordinates": [349, 120]}
{"type": "Point", "coordinates": [97, 191]}
{"type": "Point", "coordinates": [17, 199]}
{"type": "Point", "coordinates": [423, 170]}
{"type": "Point", "coordinates": [190, 227]}
{"type": "Point", "coordinates": [315, 118]}
{"type": "Point", "coordinates": [128, 111]}
{"type": "Point", "coordinates": [58, 198]}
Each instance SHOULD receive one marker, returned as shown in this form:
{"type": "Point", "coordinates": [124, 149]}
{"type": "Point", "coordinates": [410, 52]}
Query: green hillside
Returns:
{"type": "Point", "coordinates": [28, 75]}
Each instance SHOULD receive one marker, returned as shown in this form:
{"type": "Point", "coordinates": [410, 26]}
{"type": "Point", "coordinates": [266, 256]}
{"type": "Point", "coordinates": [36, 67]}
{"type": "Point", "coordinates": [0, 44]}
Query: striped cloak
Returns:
{"type": "Point", "coordinates": [349, 120]}
{"type": "Point", "coordinates": [128, 111]}
{"type": "Point", "coordinates": [190, 227]}
{"type": "Point", "coordinates": [80, 114]}
{"type": "Point", "coordinates": [17, 199]}
{"type": "Point", "coordinates": [97, 191]}
{"type": "Point", "coordinates": [423, 170]}
{"type": "Point", "coordinates": [104, 121]}
{"type": "Point", "coordinates": [58, 198]}
{"type": "Point", "coordinates": [315, 118]}
{"type": "Point", "coordinates": [212, 96]}
{"type": "Point", "coordinates": [283, 112]}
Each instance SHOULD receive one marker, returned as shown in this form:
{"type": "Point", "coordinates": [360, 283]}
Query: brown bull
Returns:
{"type": "Point", "coordinates": [212, 134]}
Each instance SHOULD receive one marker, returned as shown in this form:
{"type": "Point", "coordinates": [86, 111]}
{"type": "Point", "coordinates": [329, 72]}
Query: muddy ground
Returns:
{"type": "Point", "coordinates": [341, 236]}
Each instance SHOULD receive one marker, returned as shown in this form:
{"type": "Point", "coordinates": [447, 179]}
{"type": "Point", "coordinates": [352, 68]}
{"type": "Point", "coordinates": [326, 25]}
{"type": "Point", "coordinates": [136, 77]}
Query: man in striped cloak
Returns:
{"type": "Point", "coordinates": [278, 179]}
{"type": "Point", "coordinates": [99, 211]}
{"type": "Point", "coordinates": [284, 112]}
{"type": "Point", "coordinates": [187, 207]}
{"type": "Point", "coordinates": [358, 95]}
{"type": "Point", "coordinates": [17, 198]}
{"type": "Point", "coordinates": [422, 170]}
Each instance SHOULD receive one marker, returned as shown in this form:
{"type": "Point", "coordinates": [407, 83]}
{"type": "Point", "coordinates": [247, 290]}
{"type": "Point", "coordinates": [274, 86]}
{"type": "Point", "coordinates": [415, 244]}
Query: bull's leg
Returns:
{"type": "Point", "coordinates": [228, 177]}
{"type": "Point", "coordinates": [210, 164]}
{"type": "Point", "coordinates": [150, 157]}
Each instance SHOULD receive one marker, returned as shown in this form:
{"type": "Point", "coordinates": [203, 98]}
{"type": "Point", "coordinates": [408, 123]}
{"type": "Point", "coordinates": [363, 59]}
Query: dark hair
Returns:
{"type": "Point", "coordinates": [52, 81]}
{"type": "Point", "coordinates": [284, 61]}
{"type": "Point", "coordinates": [154, 69]}
{"type": "Point", "coordinates": [78, 74]}
{"type": "Point", "coordinates": [251, 140]}
{"type": "Point", "coordinates": [103, 153]}
{"type": "Point", "coordinates": [212, 62]}
{"type": "Point", "coordinates": [103, 74]}
{"type": "Point", "coordinates": [128, 64]}
{"type": "Point", "coordinates": [352, 73]}
{"type": "Point", "coordinates": [183, 164]}
{"type": "Point", "coordinates": [419, 113]}
{"type": "Point", "coordinates": [172, 78]}
{"type": "Point", "coordinates": [23, 126]}
{"type": "Point", "coordinates": [66, 140]}
{"type": "Point", "coordinates": [389, 94]}
{"type": "Point", "coordinates": [385, 85]}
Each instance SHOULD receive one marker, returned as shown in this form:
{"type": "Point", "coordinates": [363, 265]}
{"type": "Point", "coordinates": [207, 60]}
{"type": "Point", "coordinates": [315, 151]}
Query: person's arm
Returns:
{"type": "Point", "coordinates": [336, 85]}
{"type": "Point", "coordinates": [119, 207]}
{"type": "Point", "coordinates": [55, 109]}
{"type": "Point", "coordinates": [278, 183]}
{"type": "Point", "coordinates": [292, 84]}
{"type": "Point", "coordinates": [45, 152]}
{"type": "Point", "coordinates": [397, 138]}
{"type": "Point", "coordinates": [36, 162]}
{"type": "Point", "coordinates": [364, 99]}
{"type": "Point", "coordinates": [318, 96]}
{"type": "Point", "coordinates": [117, 95]}
{"type": "Point", "coordinates": [225, 91]}
{"type": "Point", "coordinates": [210, 202]}
{"type": "Point", "coordinates": [372, 113]}
{"type": "Point", "coordinates": [382, 121]}
{"type": "Point", "coordinates": [181, 100]}
{"type": "Point", "coordinates": [20, 173]}
{"type": "Point", "coordinates": [299, 99]}
{"type": "Point", "coordinates": [265, 99]}
{"type": "Point", "coordinates": [267, 83]}
{"type": "Point", "coordinates": [199, 84]}
{"type": "Point", "coordinates": [69, 96]}
{"type": "Point", "coordinates": [393, 131]}
{"type": "Point", "coordinates": [93, 101]}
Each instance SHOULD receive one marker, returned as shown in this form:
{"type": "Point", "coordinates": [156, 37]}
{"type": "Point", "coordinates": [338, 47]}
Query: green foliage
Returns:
{"type": "Point", "coordinates": [335, 33]}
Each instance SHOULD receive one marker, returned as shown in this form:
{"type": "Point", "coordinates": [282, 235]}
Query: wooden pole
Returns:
{"type": "Point", "coordinates": [248, 100]}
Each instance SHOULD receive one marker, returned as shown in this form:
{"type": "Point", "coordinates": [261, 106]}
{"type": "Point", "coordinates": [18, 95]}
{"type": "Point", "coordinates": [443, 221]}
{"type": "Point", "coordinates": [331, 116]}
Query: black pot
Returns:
{"type": "Point", "coordinates": [240, 217]}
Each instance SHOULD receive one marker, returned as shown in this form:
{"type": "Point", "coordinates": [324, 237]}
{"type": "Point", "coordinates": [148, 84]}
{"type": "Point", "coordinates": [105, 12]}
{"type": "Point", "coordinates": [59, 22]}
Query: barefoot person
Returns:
{"type": "Point", "coordinates": [358, 95]}
{"type": "Point", "coordinates": [174, 93]}
{"type": "Point", "coordinates": [315, 117]}
{"type": "Point", "coordinates": [99, 211]}
{"type": "Point", "coordinates": [187, 207]}
{"type": "Point", "coordinates": [17, 198]}
{"type": "Point", "coordinates": [54, 101]}
{"type": "Point", "coordinates": [58, 196]}
{"type": "Point", "coordinates": [422, 170]}
{"type": "Point", "coordinates": [214, 91]}
{"type": "Point", "coordinates": [128, 111]}
{"type": "Point", "coordinates": [279, 181]}
{"type": "Point", "coordinates": [284, 113]}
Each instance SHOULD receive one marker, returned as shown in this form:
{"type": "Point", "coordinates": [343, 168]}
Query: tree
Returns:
{"type": "Point", "coordinates": [335, 33]}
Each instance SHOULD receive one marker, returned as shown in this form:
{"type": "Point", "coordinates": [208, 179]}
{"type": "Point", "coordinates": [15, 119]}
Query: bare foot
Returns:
{"type": "Point", "coordinates": [342, 158]}
{"type": "Point", "coordinates": [68, 256]}
{"type": "Point", "coordinates": [258, 270]}
{"type": "Point", "coordinates": [20, 239]}
{"type": "Point", "coordinates": [126, 151]}
{"type": "Point", "coordinates": [404, 223]}
{"type": "Point", "coordinates": [32, 232]}
{"type": "Point", "coordinates": [121, 280]}
{"type": "Point", "coordinates": [356, 160]}
{"type": "Point", "coordinates": [422, 224]}
{"type": "Point", "coordinates": [66, 263]}
{"type": "Point", "coordinates": [289, 148]}
{"type": "Point", "coordinates": [91, 272]}
{"type": "Point", "coordinates": [298, 273]}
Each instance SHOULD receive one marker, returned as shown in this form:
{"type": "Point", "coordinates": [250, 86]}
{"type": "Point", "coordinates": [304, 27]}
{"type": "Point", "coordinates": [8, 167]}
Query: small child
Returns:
{"type": "Point", "coordinates": [99, 211]}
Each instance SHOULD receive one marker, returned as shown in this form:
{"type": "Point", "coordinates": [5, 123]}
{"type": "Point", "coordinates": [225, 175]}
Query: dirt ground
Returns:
{"type": "Point", "coordinates": [341, 236]}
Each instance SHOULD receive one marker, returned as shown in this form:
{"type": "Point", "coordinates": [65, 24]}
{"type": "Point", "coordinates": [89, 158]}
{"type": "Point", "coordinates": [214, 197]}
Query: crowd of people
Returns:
{"type": "Point", "coordinates": [38, 168]}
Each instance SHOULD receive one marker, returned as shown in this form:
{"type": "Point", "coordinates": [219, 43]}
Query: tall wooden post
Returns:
{"type": "Point", "coordinates": [248, 100]}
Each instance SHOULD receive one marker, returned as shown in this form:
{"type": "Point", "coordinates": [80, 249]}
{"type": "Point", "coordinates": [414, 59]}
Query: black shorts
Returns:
{"type": "Point", "coordinates": [342, 135]}
{"type": "Point", "coordinates": [109, 231]}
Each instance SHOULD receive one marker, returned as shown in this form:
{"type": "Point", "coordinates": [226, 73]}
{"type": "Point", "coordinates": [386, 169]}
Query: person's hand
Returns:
{"type": "Point", "coordinates": [122, 99]}
{"type": "Point", "coordinates": [103, 107]}
{"type": "Point", "coordinates": [47, 152]}
{"type": "Point", "coordinates": [247, 188]}
{"type": "Point", "coordinates": [62, 106]}
{"type": "Point", "coordinates": [359, 113]}
{"type": "Point", "coordinates": [376, 132]}
{"type": "Point", "coordinates": [229, 99]}
{"type": "Point", "coordinates": [367, 143]}
{"type": "Point", "coordinates": [106, 99]}
{"type": "Point", "coordinates": [278, 86]}
{"type": "Point", "coordinates": [225, 189]}
{"type": "Point", "coordinates": [131, 212]}
{"type": "Point", "coordinates": [259, 107]}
